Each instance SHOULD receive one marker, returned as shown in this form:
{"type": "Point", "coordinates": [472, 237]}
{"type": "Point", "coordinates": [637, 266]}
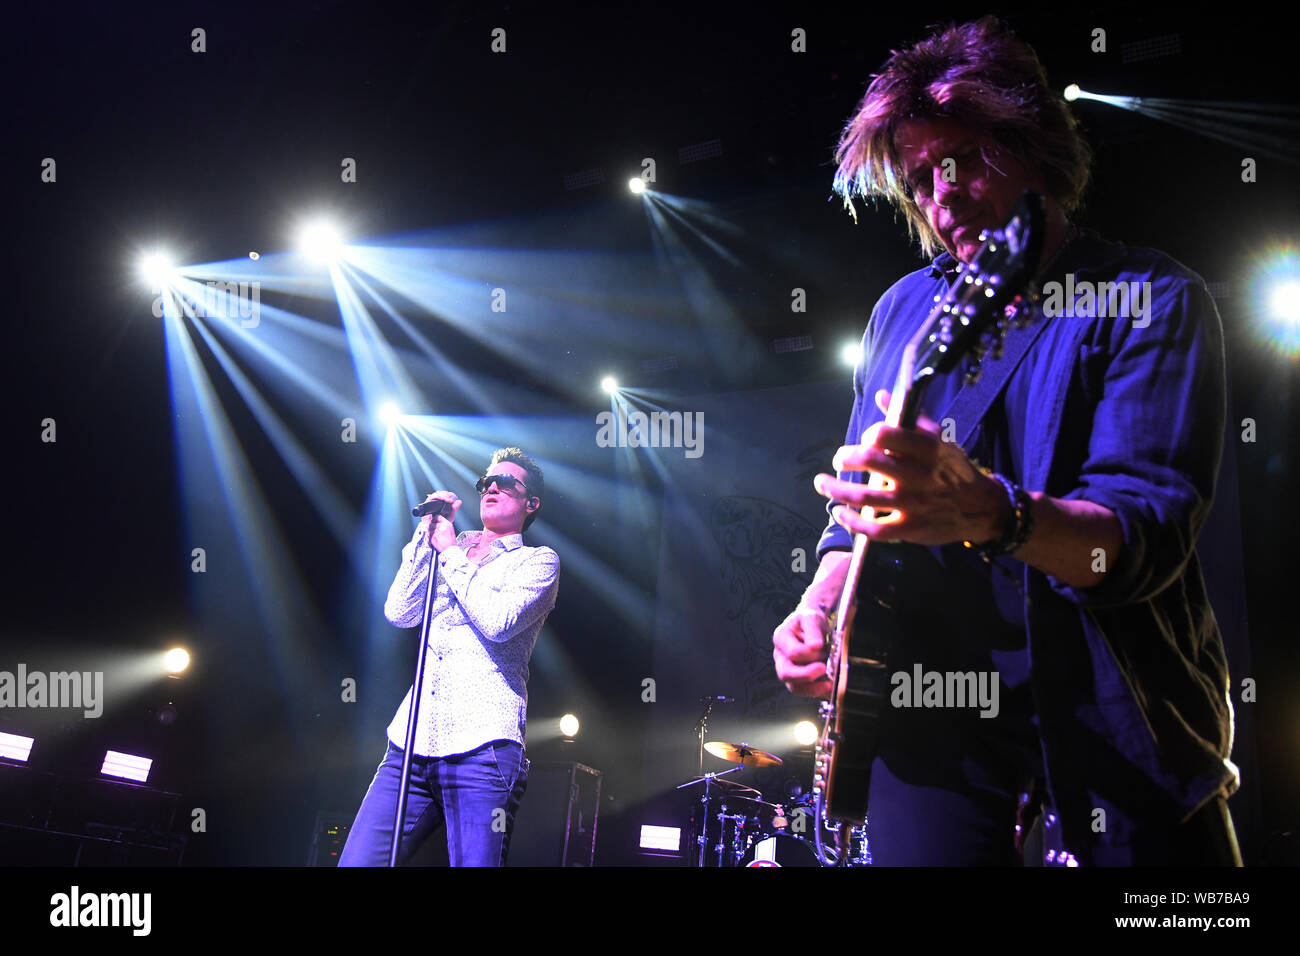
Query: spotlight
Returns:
{"type": "Point", "coordinates": [15, 747]}
{"type": "Point", "coordinates": [637, 185]}
{"type": "Point", "coordinates": [176, 660]}
{"type": "Point", "coordinates": [166, 714]}
{"type": "Point", "coordinates": [1072, 92]}
{"type": "Point", "coordinates": [805, 733]}
{"type": "Point", "coordinates": [851, 353]}
{"type": "Point", "coordinates": [157, 270]}
{"type": "Point", "coordinates": [569, 726]}
{"type": "Point", "coordinates": [320, 241]}
{"type": "Point", "coordinates": [608, 384]}
{"type": "Point", "coordinates": [254, 256]}
{"type": "Point", "coordinates": [1284, 301]}
{"type": "Point", "coordinates": [389, 414]}
{"type": "Point", "coordinates": [126, 766]}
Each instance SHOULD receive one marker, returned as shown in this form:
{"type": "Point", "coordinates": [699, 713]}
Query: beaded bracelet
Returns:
{"type": "Point", "coordinates": [1020, 527]}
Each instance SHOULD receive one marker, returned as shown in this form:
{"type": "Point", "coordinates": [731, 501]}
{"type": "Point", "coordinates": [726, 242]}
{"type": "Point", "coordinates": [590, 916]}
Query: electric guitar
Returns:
{"type": "Point", "coordinates": [971, 318]}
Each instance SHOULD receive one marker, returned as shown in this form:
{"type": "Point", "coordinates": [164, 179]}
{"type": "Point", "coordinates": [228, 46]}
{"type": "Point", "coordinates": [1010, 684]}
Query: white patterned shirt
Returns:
{"type": "Point", "coordinates": [486, 618]}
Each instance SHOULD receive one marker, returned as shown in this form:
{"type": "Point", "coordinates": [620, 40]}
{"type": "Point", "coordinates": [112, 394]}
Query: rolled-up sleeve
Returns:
{"type": "Point", "coordinates": [1156, 441]}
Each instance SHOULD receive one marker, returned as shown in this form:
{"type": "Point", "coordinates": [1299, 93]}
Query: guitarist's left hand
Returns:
{"type": "Point", "coordinates": [936, 495]}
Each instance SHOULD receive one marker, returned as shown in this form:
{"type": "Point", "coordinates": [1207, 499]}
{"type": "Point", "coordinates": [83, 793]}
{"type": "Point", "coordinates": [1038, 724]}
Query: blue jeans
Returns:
{"type": "Point", "coordinates": [475, 795]}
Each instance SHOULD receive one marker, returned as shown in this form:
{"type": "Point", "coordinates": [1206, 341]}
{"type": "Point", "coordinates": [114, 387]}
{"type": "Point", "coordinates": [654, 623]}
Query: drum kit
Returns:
{"type": "Point", "coordinates": [735, 825]}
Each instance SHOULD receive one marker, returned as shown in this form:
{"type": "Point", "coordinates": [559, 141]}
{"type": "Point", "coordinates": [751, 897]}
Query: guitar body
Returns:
{"type": "Point", "coordinates": [849, 742]}
{"type": "Point", "coordinates": [972, 316]}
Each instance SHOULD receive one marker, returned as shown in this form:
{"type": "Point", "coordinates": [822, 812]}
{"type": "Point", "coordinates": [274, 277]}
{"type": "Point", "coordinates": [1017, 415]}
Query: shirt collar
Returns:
{"type": "Point", "coordinates": [1084, 240]}
{"type": "Point", "coordinates": [506, 543]}
{"type": "Point", "coordinates": [942, 264]}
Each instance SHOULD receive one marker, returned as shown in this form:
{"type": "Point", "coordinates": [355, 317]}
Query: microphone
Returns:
{"type": "Point", "coordinates": [435, 507]}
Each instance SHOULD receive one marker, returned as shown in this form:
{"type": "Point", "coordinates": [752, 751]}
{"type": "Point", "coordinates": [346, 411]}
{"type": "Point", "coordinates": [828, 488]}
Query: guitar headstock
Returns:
{"type": "Point", "coordinates": [971, 318]}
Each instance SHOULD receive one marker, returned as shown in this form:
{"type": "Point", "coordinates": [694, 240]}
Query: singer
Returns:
{"type": "Point", "coordinates": [492, 595]}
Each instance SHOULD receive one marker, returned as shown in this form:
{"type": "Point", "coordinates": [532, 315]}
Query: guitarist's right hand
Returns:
{"type": "Point", "coordinates": [799, 649]}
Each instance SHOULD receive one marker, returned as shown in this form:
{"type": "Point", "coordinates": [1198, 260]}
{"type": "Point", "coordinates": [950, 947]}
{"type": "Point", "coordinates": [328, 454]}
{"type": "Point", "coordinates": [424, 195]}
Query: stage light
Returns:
{"type": "Point", "coordinates": [569, 726]}
{"type": "Point", "coordinates": [176, 660]}
{"type": "Point", "coordinates": [1072, 92]}
{"type": "Point", "coordinates": [660, 838]}
{"type": "Point", "coordinates": [389, 413]}
{"type": "Point", "coordinates": [254, 256]}
{"type": "Point", "coordinates": [126, 766]}
{"type": "Point", "coordinates": [637, 185]}
{"type": "Point", "coordinates": [609, 384]}
{"type": "Point", "coordinates": [321, 241]}
{"type": "Point", "coordinates": [805, 733]}
{"type": "Point", "coordinates": [158, 270]}
{"type": "Point", "coordinates": [1274, 299]}
{"type": "Point", "coordinates": [851, 353]}
{"type": "Point", "coordinates": [1284, 301]}
{"type": "Point", "coordinates": [14, 747]}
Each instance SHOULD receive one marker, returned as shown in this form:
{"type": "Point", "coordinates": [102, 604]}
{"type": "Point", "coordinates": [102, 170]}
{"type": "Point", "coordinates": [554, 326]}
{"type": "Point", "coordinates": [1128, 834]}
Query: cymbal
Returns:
{"type": "Point", "coordinates": [742, 753]}
{"type": "Point", "coordinates": [735, 789]}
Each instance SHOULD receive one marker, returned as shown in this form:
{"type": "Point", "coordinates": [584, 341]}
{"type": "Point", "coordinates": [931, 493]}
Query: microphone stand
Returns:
{"type": "Point", "coordinates": [417, 691]}
{"type": "Point", "coordinates": [703, 726]}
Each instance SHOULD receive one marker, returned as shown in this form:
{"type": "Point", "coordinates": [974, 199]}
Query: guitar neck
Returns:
{"type": "Point", "coordinates": [904, 412]}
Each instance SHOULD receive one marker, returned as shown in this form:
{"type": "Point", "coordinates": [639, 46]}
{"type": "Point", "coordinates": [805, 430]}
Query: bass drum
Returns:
{"type": "Point", "coordinates": [781, 849]}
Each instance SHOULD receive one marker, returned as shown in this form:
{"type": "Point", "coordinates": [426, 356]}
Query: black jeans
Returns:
{"type": "Point", "coordinates": [945, 794]}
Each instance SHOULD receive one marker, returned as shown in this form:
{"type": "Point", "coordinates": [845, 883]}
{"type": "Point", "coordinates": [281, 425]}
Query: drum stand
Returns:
{"type": "Point", "coordinates": [703, 838]}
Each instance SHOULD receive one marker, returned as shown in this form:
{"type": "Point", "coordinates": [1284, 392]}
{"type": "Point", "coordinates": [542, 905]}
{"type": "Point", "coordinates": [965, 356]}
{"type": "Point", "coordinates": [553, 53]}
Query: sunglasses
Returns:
{"type": "Point", "coordinates": [506, 483]}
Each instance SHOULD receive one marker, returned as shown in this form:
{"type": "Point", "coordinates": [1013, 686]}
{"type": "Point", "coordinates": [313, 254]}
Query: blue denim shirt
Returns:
{"type": "Point", "coordinates": [1129, 678]}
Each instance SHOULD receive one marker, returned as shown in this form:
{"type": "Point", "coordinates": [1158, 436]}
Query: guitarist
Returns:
{"type": "Point", "coordinates": [1062, 565]}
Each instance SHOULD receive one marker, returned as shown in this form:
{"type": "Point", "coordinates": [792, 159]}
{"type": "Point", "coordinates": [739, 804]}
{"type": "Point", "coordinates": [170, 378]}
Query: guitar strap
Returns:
{"type": "Point", "coordinates": [969, 406]}
{"type": "Point", "coordinates": [1039, 831]}
{"type": "Point", "coordinates": [972, 402]}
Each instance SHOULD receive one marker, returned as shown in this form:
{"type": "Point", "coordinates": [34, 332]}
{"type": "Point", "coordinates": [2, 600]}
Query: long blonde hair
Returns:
{"type": "Point", "coordinates": [977, 74]}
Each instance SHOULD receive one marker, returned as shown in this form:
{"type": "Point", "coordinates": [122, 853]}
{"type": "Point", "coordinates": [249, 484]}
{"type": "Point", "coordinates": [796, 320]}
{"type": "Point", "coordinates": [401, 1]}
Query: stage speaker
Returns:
{"type": "Point", "coordinates": [556, 821]}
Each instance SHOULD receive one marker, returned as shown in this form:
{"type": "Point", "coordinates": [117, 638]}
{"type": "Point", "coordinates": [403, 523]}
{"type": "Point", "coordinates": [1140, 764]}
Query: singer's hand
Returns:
{"type": "Point", "coordinates": [441, 534]}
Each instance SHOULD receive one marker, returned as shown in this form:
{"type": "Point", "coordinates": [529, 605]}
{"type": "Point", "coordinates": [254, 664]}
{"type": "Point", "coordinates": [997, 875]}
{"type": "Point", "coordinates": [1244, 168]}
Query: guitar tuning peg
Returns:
{"type": "Point", "coordinates": [1017, 314]}
{"type": "Point", "coordinates": [972, 373]}
{"type": "Point", "coordinates": [995, 351]}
